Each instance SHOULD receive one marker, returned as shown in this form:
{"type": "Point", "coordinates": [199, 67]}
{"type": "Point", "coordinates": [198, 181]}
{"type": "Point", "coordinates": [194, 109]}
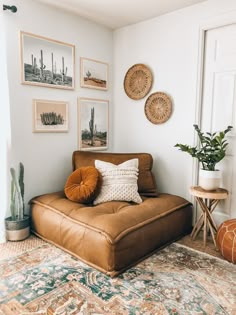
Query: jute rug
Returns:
{"type": "Point", "coordinates": [176, 280]}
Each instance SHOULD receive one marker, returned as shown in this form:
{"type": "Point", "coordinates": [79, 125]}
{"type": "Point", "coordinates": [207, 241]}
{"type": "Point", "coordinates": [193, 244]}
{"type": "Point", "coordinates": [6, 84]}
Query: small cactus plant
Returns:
{"type": "Point", "coordinates": [42, 66]}
{"type": "Point", "coordinates": [17, 193]}
{"type": "Point", "coordinates": [91, 126]}
{"type": "Point", "coordinates": [51, 118]}
{"type": "Point", "coordinates": [34, 64]}
{"type": "Point", "coordinates": [52, 66]}
{"type": "Point", "coordinates": [63, 71]}
{"type": "Point", "coordinates": [88, 74]}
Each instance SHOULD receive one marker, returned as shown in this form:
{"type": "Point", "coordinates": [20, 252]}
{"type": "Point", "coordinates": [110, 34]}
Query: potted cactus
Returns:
{"type": "Point", "coordinates": [211, 150]}
{"type": "Point", "coordinates": [17, 225]}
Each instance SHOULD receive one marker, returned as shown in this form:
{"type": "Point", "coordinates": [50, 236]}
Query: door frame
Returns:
{"type": "Point", "coordinates": [216, 22]}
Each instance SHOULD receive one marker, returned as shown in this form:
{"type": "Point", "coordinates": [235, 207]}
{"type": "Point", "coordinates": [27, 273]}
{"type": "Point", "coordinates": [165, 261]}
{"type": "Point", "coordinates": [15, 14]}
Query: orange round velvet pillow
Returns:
{"type": "Point", "coordinates": [82, 184]}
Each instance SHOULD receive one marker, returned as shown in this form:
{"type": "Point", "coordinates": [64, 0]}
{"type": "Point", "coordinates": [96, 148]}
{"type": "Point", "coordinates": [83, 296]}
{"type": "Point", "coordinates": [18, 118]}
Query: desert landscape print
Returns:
{"type": "Point", "coordinates": [47, 62]}
{"type": "Point", "coordinates": [93, 124]}
{"type": "Point", "coordinates": [50, 116]}
{"type": "Point", "coordinates": [94, 74]}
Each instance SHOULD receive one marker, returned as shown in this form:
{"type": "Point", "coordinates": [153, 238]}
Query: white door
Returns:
{"type": "Point", "coordinates": [219, 106]}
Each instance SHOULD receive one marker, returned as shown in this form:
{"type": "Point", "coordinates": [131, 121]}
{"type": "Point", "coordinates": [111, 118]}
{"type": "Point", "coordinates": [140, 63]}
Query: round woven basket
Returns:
{"type": "Point", "coordinates": [158, 108]}
{"type": "Point", "coordinates": [138, 81]}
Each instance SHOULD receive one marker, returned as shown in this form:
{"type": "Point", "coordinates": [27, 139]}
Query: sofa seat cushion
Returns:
{"type": "Point", "coordinates": [114, 235]}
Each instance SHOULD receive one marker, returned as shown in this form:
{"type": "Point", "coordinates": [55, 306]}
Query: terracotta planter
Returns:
{"type": "Point", "coordinates": [17, 230]}
{"type": "Point", "coordinates": [209, 180]}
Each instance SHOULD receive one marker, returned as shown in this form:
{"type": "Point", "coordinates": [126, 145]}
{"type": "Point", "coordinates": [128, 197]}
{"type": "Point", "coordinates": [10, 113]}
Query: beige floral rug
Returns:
{"type": "Point", "coordinates": [44, 280]}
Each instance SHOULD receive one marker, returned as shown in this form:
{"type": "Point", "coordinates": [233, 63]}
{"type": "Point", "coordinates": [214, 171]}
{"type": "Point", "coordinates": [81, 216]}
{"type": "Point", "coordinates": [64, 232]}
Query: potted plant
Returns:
{"type": "Point", "coordinates": [17, 225]}
{"type": "Point", "coordinates": [210, 151]}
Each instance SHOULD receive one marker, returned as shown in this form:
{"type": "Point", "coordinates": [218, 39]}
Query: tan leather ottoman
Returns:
{"type": "Point", "coordinates": [226, 240]}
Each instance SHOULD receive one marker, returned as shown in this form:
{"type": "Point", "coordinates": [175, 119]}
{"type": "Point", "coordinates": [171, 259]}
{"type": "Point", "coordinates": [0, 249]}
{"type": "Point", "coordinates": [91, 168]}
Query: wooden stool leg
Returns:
{"type": "Point", "coordinates": [208, 213]}
{"type": "Point", "coordinates": [205, 229]}
{"type": "Point", "coordinates": [212, 208]}
{"type": "Point", "coordinates": [207, 201]}
{"type": "Point", "coordinates": [205, 211]}
{"type": "Point", "coordinates": [213, 235]}
{"type": "Point", "coordinates": [197, 227]}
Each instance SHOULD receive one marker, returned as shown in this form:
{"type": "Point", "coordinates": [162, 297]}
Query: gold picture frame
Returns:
{"type": "Point", "coordinates": [47, 62]}
{"type": "Point", "coordinates": [50, 116]}
{"type": "Point", "coordinates": [93, 124]}
{"type": "Point", "coordinates": [93, 74]}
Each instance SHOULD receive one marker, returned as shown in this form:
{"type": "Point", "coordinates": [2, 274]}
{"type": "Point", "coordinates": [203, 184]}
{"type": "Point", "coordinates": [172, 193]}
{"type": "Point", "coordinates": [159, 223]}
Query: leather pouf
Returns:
{"type": "Point", "coordinates": [226, 240]}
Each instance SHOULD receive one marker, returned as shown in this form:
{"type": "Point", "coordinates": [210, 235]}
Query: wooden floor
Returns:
{"type": "Point", "coordinates": [197, 244]}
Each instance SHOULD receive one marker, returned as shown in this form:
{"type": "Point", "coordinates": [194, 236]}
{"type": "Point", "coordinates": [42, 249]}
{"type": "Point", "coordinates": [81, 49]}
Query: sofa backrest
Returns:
{"type": "Point", "coordinates": [146, 180]}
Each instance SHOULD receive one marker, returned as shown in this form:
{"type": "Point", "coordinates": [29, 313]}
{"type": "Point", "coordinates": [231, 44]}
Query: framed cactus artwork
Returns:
{"type": "Point", "coordinates": [47, 62]}
{"type": "Point", "coordinates": [93, 74]}
{"type": "Point", "coordinates": [93, 120]}
{"type": "Point", "coordinates": [50, 116]}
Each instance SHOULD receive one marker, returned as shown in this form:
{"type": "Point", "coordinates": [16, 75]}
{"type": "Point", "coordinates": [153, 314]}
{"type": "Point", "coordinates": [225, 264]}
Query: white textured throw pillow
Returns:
{"type": "Point", "coordinates": [119, 182]}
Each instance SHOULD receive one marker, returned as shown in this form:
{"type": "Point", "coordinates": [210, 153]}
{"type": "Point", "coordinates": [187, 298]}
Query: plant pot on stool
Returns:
{"type": "Point", "coordinates": [210, 180]}
{"type": "Point", "coordinates": [210, 151]}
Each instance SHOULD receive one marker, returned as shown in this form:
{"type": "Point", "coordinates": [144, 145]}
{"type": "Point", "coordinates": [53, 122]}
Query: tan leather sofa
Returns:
{"type": "Point", "coordinates": [115, 235]}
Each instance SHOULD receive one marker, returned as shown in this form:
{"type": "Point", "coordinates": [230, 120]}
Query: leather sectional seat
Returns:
{"type": "Point", "coordinates": [114, 235]}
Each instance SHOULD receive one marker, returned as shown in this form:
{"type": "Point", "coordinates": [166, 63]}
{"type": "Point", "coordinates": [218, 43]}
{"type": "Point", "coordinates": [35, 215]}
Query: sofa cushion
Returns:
{"type": "Point", "coordinates": [119, 182]}
{"type": "Point", "coordinates": [114, 235]}
{"type": "Point", "coordinates": [146, 181]}
{"type": "Point", "coordinates": [82, 184]}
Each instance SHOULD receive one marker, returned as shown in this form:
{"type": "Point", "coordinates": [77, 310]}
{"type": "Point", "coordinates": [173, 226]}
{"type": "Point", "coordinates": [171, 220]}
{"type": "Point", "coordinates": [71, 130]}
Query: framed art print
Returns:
{"type": "Point", "coordinates": [93, 74]}
{"type": "Point", "coordinates": [93, 115]}
{"type": "Point", "coordinates": [50, 116]}
{"type": "Point", "coordinates": [47, 62]}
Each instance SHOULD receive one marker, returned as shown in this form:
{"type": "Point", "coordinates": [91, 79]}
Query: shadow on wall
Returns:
{"type": "Point", "coordinates": [166, 182]}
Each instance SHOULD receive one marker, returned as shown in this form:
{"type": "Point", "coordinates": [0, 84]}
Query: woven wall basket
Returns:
{"type": "Point", "coordinates": [158, 108]}
{"type": "Point", "coordinates": [138, 81]}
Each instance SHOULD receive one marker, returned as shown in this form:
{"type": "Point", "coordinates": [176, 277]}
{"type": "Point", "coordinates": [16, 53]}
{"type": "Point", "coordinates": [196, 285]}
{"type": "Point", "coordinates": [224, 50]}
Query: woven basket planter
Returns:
{"type": "Point", "coordinates": [17, 230]}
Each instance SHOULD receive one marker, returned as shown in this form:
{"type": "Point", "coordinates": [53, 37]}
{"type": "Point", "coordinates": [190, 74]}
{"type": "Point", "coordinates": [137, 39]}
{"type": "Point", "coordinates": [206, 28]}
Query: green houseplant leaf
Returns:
{"type": "Point", "coordinates": [211, 149]}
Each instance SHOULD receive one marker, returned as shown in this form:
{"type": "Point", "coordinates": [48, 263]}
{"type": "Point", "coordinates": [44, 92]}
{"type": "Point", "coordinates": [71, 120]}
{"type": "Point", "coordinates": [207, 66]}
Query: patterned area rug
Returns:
{"type": "Point", "coordinates": [176, 280]}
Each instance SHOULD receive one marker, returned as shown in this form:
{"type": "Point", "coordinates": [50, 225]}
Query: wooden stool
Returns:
{"type": "Point", "coordinates": [208, 200]}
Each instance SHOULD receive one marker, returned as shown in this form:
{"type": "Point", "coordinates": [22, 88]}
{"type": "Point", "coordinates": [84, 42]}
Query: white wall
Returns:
{"type": "Point", "coordinates": [169, 46]}
{"type": "Point", "coordinates": [47, 156]}
{"type": "Point", "coordinates": [5, 134]}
